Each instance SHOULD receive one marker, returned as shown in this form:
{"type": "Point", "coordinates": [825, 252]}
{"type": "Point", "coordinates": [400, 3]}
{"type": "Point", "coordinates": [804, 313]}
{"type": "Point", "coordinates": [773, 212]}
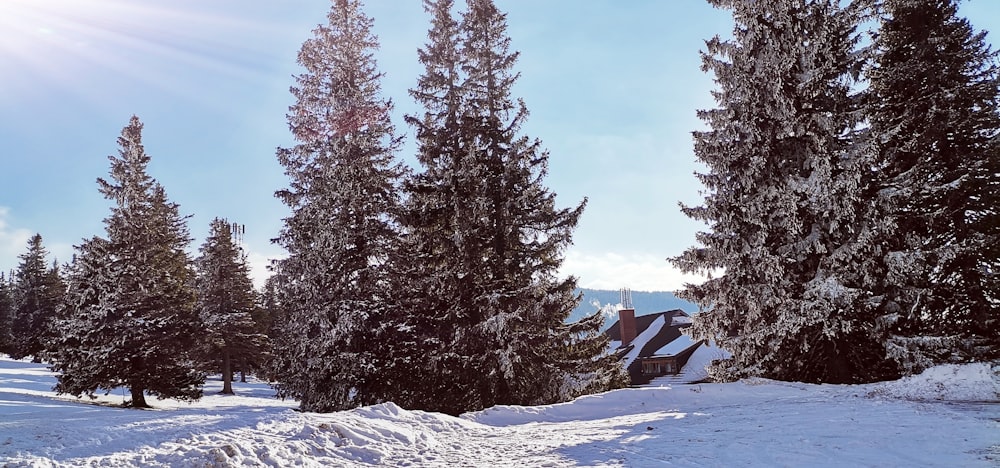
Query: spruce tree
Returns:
{"type": "Point", "coordinates": [37, 292]}
{"type": "Point", "coordinates": [933, 108]}
{"type": "Point", "coordinates": [226, 304]}
{"type": "Point", "coordinates": [783, 202]}
{"type": "Point", "coordinates": [484, 235]}
{"type": "Point", "coordinates": [343, 194]}
{"type": "Point", "coordinates": [270, 319]}
{"type": "Point", "coordinates": [272, 313]}
{"type": "Point", "coordinates": [6, 313]}
{"type": "Point", "coordinates": [426, 279]}
{"type": "Point", "coordinates": [129, 318]}
{"type": "Point", "coordinates": [81, 324]}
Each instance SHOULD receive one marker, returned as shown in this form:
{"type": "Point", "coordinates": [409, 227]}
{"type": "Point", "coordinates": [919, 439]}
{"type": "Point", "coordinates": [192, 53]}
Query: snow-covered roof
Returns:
{"type": "Point", "coordinates": [640, 341]}
{"type": "Point", "coordinates": [676, 347]}
{"type": "Point", "coordinates": [695, 370]}
{"type": "Point", "coordinates": [658, 334]}
{"type": "Point", "coordinates": [680, 320]}
{"type": "Point", "coordinates": [642, 322]}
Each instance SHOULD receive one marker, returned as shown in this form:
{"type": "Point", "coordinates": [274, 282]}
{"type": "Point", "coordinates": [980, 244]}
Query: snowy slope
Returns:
{"type": "Point", "coordinates": [752, 423]}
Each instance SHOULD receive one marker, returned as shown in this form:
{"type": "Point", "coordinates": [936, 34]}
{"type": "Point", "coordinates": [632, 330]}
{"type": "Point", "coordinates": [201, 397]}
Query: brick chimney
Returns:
{"type": "Point", "coordinates": [626, 320]}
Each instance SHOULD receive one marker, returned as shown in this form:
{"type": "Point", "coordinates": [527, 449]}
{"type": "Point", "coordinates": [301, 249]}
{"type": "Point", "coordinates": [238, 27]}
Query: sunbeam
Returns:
{"type": "Point", "coordinates": [80, 45]}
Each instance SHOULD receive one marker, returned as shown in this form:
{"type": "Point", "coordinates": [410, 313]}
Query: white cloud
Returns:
{"type": "Point", "coordinates": [58, 251]}
{"type": "Point", "coordinates": [12, 242]}
{"type": "Point", "coordinates": [258, 263]}
{"type": "Point", "coordinates": [640, 272]}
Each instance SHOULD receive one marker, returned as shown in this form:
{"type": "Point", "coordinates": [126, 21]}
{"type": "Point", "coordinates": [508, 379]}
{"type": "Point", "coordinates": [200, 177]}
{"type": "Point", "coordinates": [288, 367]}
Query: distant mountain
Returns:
{"type": "Point", "coordinates": [644, 303]}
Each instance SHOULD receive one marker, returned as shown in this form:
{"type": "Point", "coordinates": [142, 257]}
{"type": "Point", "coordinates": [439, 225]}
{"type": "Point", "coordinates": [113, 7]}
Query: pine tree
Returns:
{"type": "Point", "coordinates": [6, 313]}
{"type": "Point", "coordinates": [783, 203]}
{"type": "Point", "coordinates": [37, 292]}
{"type": "Point", "coordinates": [484, 237]}
{"type": "Point", "coordinates": [226, 304]}
{"type": "Point", "coordinates": [933, 106]}
{"type": "Point", "coordinates": [343, 193]}
{"type": "Point", "coordinates": [129, 318]}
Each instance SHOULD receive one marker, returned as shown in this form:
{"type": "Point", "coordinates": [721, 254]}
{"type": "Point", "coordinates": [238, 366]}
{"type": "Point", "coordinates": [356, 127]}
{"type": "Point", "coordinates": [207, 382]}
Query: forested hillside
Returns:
{"type": "Point", "coordinates": [644, 302]}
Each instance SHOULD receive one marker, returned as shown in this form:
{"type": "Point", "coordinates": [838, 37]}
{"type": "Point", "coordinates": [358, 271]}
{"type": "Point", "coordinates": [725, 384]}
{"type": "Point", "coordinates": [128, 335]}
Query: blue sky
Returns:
{"type": "Point", "coordinates": [612, 87]}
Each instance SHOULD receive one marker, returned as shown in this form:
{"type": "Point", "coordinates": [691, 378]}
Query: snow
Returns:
{"type": "Point", "coordinates": [676, 346]}
{"type": "Point", "coordinates": [681, 320]}
{"type": "Point", "coordinates": [947, 416]}
{"type": "Point", "coordinates": [950, 382]}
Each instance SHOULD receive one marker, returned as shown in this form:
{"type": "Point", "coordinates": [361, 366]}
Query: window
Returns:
{"type": "Point", "coordinates": [659, 367]}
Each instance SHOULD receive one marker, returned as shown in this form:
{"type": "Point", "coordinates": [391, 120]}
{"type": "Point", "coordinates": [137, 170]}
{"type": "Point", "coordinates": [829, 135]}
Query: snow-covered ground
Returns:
{"type": "Point", "coordinates": [948, 416]}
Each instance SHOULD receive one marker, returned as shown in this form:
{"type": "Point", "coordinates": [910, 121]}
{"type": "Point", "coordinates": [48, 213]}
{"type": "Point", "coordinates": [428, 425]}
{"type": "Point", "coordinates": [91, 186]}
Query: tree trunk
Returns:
{"type": "Point", "coordinates": [227, 374]}
{"type": "Point", "coordinates": [243, 369]}
{"type": "Point", "coordinates": [138, 396]}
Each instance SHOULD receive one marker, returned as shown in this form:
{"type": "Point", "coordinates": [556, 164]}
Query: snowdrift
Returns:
{"type": "Point", "coordinates": [751, 423]}
{"type": "Point", "coordinates": [950, 382]}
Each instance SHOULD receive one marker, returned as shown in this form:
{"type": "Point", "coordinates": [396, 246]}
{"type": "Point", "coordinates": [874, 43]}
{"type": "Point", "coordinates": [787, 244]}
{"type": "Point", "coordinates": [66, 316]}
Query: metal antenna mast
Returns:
{"type": "Point", "coordinates": [626, 298]}
{"type": "Point", "coordinates": [238, 232]}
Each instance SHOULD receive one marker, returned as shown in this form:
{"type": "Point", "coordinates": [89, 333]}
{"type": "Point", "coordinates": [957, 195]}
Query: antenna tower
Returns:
{"type": "Point", "coordinates": [626, 298]}
{"type": "Point", "coordinates": [238, 231]}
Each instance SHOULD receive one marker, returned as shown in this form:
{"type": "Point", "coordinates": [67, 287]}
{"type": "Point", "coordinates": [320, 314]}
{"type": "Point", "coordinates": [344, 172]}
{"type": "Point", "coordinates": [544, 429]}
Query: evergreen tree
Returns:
{"type": "Point", "coordinates": [270, 317]}
{"type": "Point", "coordinates": [83, 327]}
{"type": "Point", "coordinates": [426, 281]}
{"type": "Point", "coordinates": [129, 318]}
{"type": "Point", "coordinates": [783, 201]}
{"type": "Point", "coordinates": [484, 237]}
{"type": "Point", "coordinates": [343, 193]}
{"type": "Point", "coordinates": [37, 292]}
{"type": "Point", "coordinates": [582, 354]}
{"type": "Point", "coordinates": [6, 313]}
{"type": "Point", "coordinates": [271, 311]}
{"type": "Point", "coordinates": [933, 107]}
{"type": "Point", "coordinates": [226, 304]}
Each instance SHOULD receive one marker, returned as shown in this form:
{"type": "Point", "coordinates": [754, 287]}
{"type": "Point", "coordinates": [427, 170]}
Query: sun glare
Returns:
{"type": "Point", "coordinates": [67, 43]}
{"type": "Point", "coordinates": [34, 32]}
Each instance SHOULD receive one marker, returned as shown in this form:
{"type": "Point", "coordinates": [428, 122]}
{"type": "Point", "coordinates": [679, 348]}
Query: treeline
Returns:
{"type": "Point", "coordinates": [434, 288]}
{"type": "Point", "coordinates": [852, 191]}
{"type": "Point", "coordinates": [131, 308]}
{"type": "Point", "coordinates": [851, 201]}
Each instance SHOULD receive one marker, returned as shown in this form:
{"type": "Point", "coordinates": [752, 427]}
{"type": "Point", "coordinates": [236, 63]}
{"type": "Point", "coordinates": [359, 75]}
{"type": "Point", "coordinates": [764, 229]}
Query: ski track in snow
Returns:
{"type": "Point", "coordinates": [926, 420]}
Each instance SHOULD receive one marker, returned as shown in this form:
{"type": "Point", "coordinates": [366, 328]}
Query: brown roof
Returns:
{"type": "Point", "coordinates": [667, 333]}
